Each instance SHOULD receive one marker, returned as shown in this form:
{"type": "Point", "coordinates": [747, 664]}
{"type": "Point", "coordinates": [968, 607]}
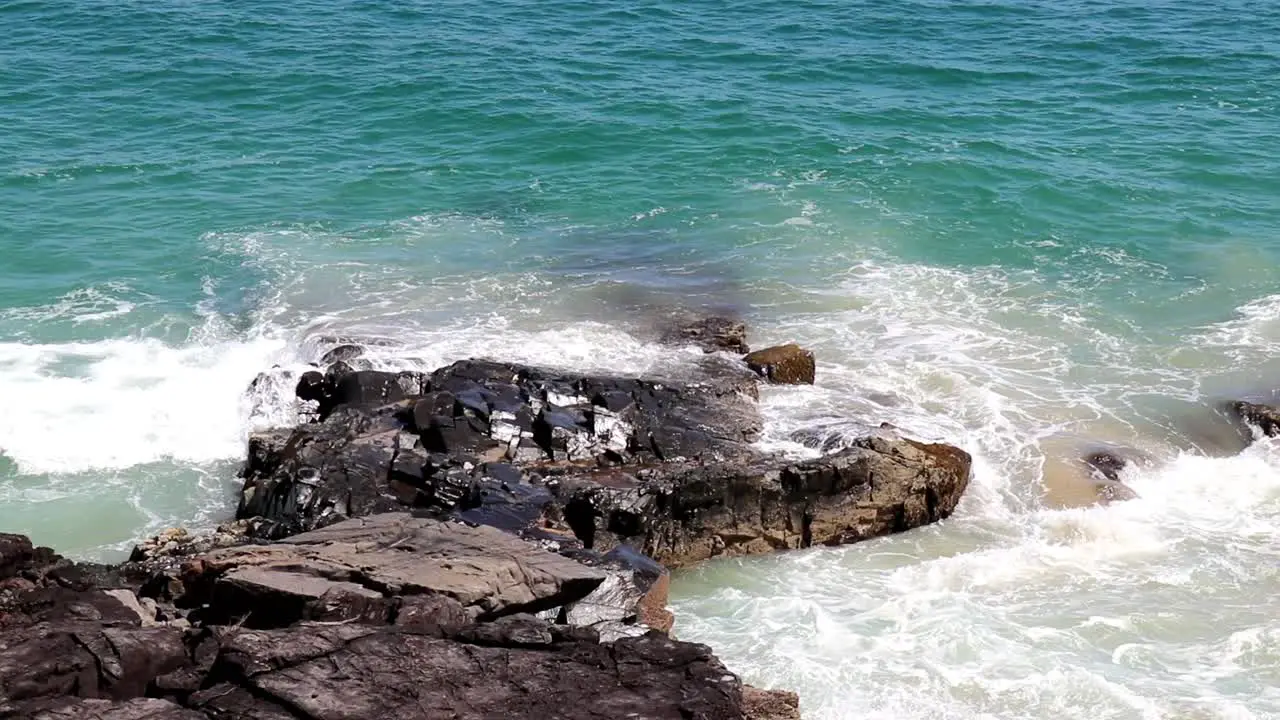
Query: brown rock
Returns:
{"type": "Point", "coordinates": [83, 659]}
{"type": "Point", "coordinates": [784, 364]}
{"type": "Point", "coordinates": [1264, 417]}
{"type": "Point", "coordinates": [136, 709]}
{"type": "Point", "coordinates": [760, 704]}
{"type": "Point", "coordinates": [711, 333]}
{"type": "Point", "coordinates": [684, 514]}
{"type": "Point", "coordinates": [516, 668]}
{"type": "Point", "coordinates": [351, 569]}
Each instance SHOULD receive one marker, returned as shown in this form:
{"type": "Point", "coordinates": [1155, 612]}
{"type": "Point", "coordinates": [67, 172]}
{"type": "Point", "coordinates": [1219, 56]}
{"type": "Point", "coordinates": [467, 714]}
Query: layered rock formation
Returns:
{"type": "Point", "coordinates": [487, 540]}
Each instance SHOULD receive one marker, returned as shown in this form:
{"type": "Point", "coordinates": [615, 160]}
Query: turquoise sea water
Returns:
{"type": "Point", "coordinates": [1021, 226]}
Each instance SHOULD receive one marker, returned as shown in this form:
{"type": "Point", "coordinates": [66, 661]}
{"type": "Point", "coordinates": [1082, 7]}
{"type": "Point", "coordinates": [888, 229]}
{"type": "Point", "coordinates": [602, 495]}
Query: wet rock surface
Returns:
{"type": "Point", "coordinates": [784, 364]}
{"type": "Point", "coordinates": [712, 334]}
{"type": "Point", "coordinates": [1266, 418]}
{"type": "Point", "coordinates": [486, 540]}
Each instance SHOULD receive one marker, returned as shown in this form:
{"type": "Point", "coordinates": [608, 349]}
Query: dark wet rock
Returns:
{"type": "Point", "coordinates": [631, 600]}
{"type": "Point", "coordinates": [312, 387]}
{"type": "Point", "coordinates": [1265, 418]}
{"type": "Point", "coordinates": [342, 353]}
{"type": "Point", "coordinates": [452, 446]}
{"type": "Point", "coordinates": [825, 440]}
{"type": "Point", "coordinates": [760, 704]}
{"type": "Point", "coordinates": [1105, 467]}
{"type": "Point", "coordinates": [1106, 463]}
{"type": "Point", "coordinates": [711, 333]}
{"type": "Point", "coordinates": [371, 388]}
{"type": "Point", "coordinates": [354, 569]}
{"type": "Point", "coordinates": [666, 467]}
{"type": "Point", "coordinates": [82, 659]}
{"type": "Point", "coordinates": [135, 709]}
{"type": "Point", "coordinates": [17, 554]}
{"type": "Point", "coordinates": [514, 669]}
{"type": "Point", "coordinates": [683, 514]}
{"type": "Point", "coordinates": [784, 364]}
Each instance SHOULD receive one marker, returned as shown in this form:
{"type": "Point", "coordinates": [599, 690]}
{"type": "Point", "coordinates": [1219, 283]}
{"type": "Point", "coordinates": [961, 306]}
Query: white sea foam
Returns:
{"type": "Point", "coordinates": [1010, 609]}
{"type": "Point", "coordinates": [1150, 608]}
{"type": "Point", "coordinates": [120, 403]}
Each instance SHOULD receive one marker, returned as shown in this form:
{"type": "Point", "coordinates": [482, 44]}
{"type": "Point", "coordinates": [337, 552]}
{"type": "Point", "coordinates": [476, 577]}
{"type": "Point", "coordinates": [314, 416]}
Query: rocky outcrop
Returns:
{"type": "Point", "coordinates": [445, 440]}
{"type": "Point", "coordinates": [487, 540]}
{"type": "Point", "coordinates": [687, 513]}
{"type": "Point", "coordinates": [784, 364]}
{"type": "Point", "coordinates": [77, 652]}
{"type": "Point", "coordinates": [664, 467]}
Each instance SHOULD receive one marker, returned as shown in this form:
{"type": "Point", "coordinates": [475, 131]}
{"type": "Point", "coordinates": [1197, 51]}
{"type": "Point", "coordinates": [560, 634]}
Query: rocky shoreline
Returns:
{"type": "Point", "coordinates": [487, 540]}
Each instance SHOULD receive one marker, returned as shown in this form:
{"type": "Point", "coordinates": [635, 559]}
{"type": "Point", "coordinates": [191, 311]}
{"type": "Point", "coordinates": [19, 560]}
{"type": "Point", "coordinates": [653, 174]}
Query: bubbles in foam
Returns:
{"type": "Point", "coordinates": [1011, 608]}
{"type": "Point", "coordinates": [120, 403]}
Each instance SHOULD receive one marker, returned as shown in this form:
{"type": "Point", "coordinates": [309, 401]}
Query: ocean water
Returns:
{"type": "Point", "coordinates": [1029, 228]}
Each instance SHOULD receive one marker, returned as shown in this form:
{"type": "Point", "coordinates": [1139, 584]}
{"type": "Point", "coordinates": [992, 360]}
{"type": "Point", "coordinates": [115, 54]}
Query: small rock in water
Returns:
{"type": "Point", "coordinates": [342, 353]}
{"type": "Point", "coordinates": [1106, 466]}
{"type": "Point", "coordinates": [1264, 417]}
{"type": "Point", "coordinates": [709, 333]}
{"type": "Point", "coordinates": [784, 364]}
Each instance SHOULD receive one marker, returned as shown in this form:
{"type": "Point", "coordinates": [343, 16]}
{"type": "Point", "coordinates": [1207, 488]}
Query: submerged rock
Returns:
{"type": "Point", "coordinates": [784, 364]}
{"type": "Point", "coordinates": [341, 353]}
{"type": "Point", "coordinates": [1106, 467]}
{"type": "Point", "coordinates": [1265, 418]}
{"type": "Point", "coordinates": [711, 333]}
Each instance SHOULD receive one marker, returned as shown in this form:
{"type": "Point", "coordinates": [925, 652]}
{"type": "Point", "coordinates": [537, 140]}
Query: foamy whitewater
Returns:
{"type": "Point", "coordinates": [1031, 229]}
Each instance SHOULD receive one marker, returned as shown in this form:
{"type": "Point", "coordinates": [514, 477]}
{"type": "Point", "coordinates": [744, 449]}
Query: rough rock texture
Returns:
{"type": "Point", "coordinates": [79, 653]}
{"type": "Point", "coordinates": [82, 658]}
{"type": "Point", "coordinates": [355, 569]}
{"type": "Point", "coordinates": [632, 598]}
{"type": "Point", "coordinates": [518, 667]}
{"type": "Point", "coordinates": [445, 440]}
{"type": "Point", "coordinates": [760, 704]}
{"type": "Point", "coordinates": [1105, 467]}
{"type": "Point", "coordinates": [784, 364]}
{"type": "Point", "coordinates": [135, 709]}
{"type": "Point", "coordinates": [709, 333]}
{"type": "Point", "coordinates": [679, 515]}
{"type": "Point", "coordinates": [1265, 418]}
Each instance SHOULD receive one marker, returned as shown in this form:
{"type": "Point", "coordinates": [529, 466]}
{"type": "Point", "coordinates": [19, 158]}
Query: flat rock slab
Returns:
{"type": "Point", "coordinates": [367, 560]}
{"type": "Point", "coordinates": [520, 669]}
{"type": "Point", "coordinates": [135, 709]}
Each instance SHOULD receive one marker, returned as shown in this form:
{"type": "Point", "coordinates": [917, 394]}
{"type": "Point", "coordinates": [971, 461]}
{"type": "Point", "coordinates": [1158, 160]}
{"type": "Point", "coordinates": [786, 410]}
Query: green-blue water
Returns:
{"type": "Point", "coordinates": [1022, 226]}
